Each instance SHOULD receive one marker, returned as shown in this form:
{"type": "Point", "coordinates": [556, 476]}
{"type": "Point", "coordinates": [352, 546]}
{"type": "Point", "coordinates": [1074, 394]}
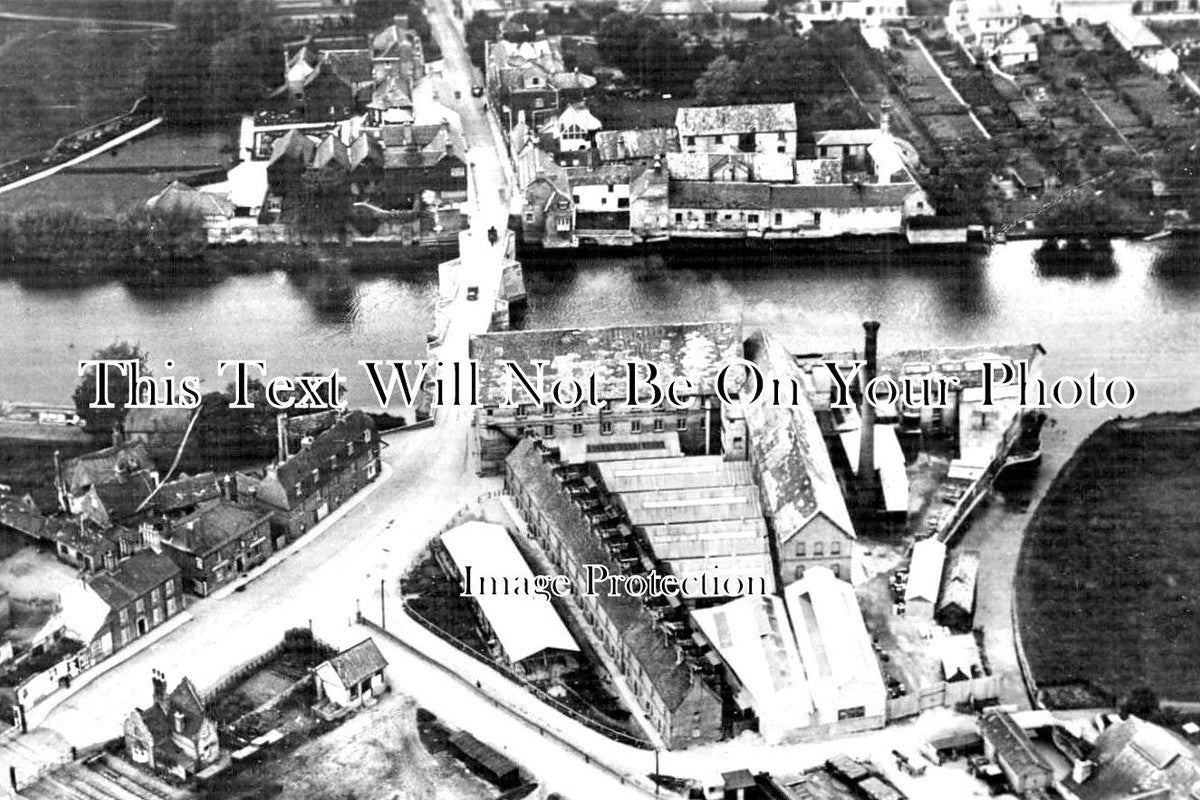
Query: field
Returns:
{"type": "Point", "coordinates": [60, 76]}
{"type": "Point", "coordinates": [1106, 586]}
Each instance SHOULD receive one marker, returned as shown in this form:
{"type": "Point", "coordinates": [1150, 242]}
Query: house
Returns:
{"type": "Point", "coordinates": [84, 543]}
{"type": "Point", "coordinates": [418, 159]}
{"type": "Point", "coordinates": [214, 544]}
{"type": "Point", "coordinates": [755, 640]}
{"type": "Point", "coordinates": [575, 127]}
{"type": "Point", "coordinates": [530, 78]}
{"type": "Point", "coordinates": [983, 24]}
{"type": "Point", "coordinates": [1018, 46]}
{"type": "Point", "coordinates": [1135, 758]}
{"type": "Point", "coordinates": [397, 49]}
{"type": "Point", "coordinates": [523, 630]}
{"type": "Point", "coordinates": [639, 147]}
{"type": "Point", "coordinates": [649, 211]}
{"type": "Point", "coordinates": [758, 128]}
{"type": "Point", "coordinates": [600, 197]}
{"type": "Point", "coordinates": [956, 607]}
{"type": "Point", "coordinates": [802, 496]}
{"type": "Point", "coordinates": [696, 351]}
{"type": "Point", "coordinates": [1009, 746]}
{"type": "Point", "coordinates": [327, 95]}
{"type": "Point", "coordinates": [214, 212]}
{"type": "Point", "coordinates": [549, 215]}
{"type": "Point", "coordinates": [186, 493]}
{"type": "Point", "coordinates": [1143, 45]}
{"type": "Point", "coordinates": [844, 680]}
{"type": "Point", "coordinates": [675, 9]}
{"type": "Point", "coordinates": [107, 485]}
{"type": "Point", "coordinates": [174, 735]}
{"type": "Point", "coordinates": [291, 154]}
{"type": "Point", "coordinates": [924, 579]}
{"type": "Point", "coordinates": [680, 694]}
{"type": "Point", "coordinates": [114, 607]}
{"type": "Point", "coordinates": [351, 678]}
{"type": "Point", "coordinates": [303, 488]}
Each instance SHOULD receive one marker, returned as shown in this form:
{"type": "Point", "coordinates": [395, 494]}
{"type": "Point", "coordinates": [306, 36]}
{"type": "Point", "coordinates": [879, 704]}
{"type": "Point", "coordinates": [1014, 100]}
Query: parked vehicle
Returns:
{"type": "Point", "coordinates": [477, 91]}
{"type": "Point", "coordinates": [472, 293]}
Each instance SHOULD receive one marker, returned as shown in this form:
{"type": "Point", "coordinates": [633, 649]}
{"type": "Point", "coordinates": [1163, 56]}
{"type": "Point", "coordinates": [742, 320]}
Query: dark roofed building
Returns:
{"type": "Point", "coordinates": [302, 490]}
{"type": "Point", "coordinates": [175, 734]}
{"type": "Point", "coordinates": [1009, 746]}
{"type": "Point", "coordinates": [328, 95]}
{"type": "Point", "coordinates": [754, 128]}
{"type": "Point", "coordinates": [331, 154]}
{"type": "Point", "coordinates": [351, 678]}
{"type": "Point", "coordinates": [956, 605]}
{"type": "Point", "coordinates": [184, 494]}
{"type": "Point", "coordinates": [1137, 759]}
{"type": "Point", "coordinates": [108, 485]}
{"type": "Point", "coordinates": [141, 593]}
{"type": "Point", "coordinates": [290, 156]}
{"type": "Point", "coordinates": [216, 543]}
{"type": "Point", "coordinates": [638, 147]}
{"type": "Point", "coordinates": [483, 760]}
{"type": "Point", "coordinates": [696, 351]}
{"type": "Point", "coordinates": [676, 696]}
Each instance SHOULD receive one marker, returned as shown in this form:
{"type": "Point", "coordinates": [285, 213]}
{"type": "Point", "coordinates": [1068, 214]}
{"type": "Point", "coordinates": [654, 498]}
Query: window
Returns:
{"type": "Point", "coordinates": [691, 140]}
{"type": "Point", "coordinates": [622, 202]}
{"type": "Point", "coordinates": [782, 136]}
{"type": "Point", "coordinates": [782, 149]}
{"type": "Point", "coordinates": [678, 218]}
{"type": "Point", "coordinates": [139, 606]}
{"type": "Point", "coordinates": [635, 426]}
{"type": "Point", "coordinates": [199, 563]}
{"type": "Point", "coordinates": [681, 424]}
{"type": "Point", "coordinates": [658, 425]}
{"type": "Point", "coordinates": [778, 218]}
{"type": "Point", "coordinates": [548, 431]}
{"type": "Point", "coordinates": [605, 428]}
{"type": "Point", "coordinates": [458, 172]}
{"type": "Point", "coordinates": [123, 617]}
{"type": "Point", "coordinates": [800, 551]}
{"type": "Point", "coordinates": [818, 548]}
{"type": "Point", "coordinates": [575, 198]}
{"type": "Point", "coordinates": [577, 429]}
{"type": "Point", "coordinates": [752, 219]}
{"type": "Point", "coordinates": [169, 588]}
{"type": "Point", "coordinates": [564, 224]}
{"type": "Point", "coordinates": [719, 139]}
{"type": "Point", "coordinates": [547, 409]}
{"type": "Point", "coordinates": [835, 548]}
{"type": "Point", "coordinates": [529, 216]}
{"type": "Point", "coordinates": [154, 596]}
{"type": "Point", "coordinates": [520, 411]}
{"type": "Point", "coordinates": [710, 217]}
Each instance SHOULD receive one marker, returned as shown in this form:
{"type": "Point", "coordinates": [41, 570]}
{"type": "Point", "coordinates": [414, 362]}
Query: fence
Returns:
{"type": "Point", "coordinates": [942, 695]}
{"type": "Point", "coordinates": [599, 727]}
{"type": "Point", "coordinates": [240, 673]}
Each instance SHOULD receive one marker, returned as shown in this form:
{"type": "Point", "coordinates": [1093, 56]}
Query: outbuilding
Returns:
{"type": "Point", "coordinates": [352, 677]}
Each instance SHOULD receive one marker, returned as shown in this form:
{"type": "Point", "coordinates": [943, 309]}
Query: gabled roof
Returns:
{"type": "Point", "coordinates": [353, 65]}
{"type": "Point", "coordinates": [187, 491]}
{"type": "Point", "coordinates": [1132, 33]}
{"type": "Point", "coordinates": [394, 91]}
{"type": "Point", "coordinates": [958, 587]}
{"type": "Point", "coordinates": [639, 143]}
{"type": "Point", "coordinates": [331, 152]}
{"type": "Point", "coordinates": [788, 450]}
{"type": "Point", "coordinates": [181, 198]}
{"type": "Point", "coordinates": [1135, 758]}
{"type": "Point", "coordinates": [212, 525]}
{"type": "Point", "coordinates": [719, 195]}
{"type": "Point", "coordinates": [925, 571]}
{"type": "Point", "coordinates": [133, 578]}
{"type": "Point", "coordinates": [355, 665]}
{"type": "Point", "coordinates": [667, 673]}
{"type": "Point", "coordinates": [365, 148]}
{"type": "Point", "coordinates": [108, 465]}
{"type": "Point", "coordinates": [675, 8]}
{"type": "Point", "coordinates": [713, 120]}
{"type": "Point", "coordinates": [1011, 742]}
{"type": "Point", "coordinates": [293, 145]}
{"type": "Point", "coordinates": [326, 72]}
{"type": "Point", "coordinates": [185, 701]}
{"type": "Point", "coordinates": [577, 115]}
{"type": "Point", "coordinates": [525, 624]}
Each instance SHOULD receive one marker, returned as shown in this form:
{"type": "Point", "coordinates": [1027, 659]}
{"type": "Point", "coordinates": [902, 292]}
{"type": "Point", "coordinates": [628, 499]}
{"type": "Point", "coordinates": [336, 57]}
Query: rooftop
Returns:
{"type": "Point", "coordinates": [698, 351]}
{"type": "Point", "coordinates": [1011, 742]}
{"type": "Point", "coordinates": [683, 472]}
{"type": "Point", "coordinates": [212, 525]}
{"type": "Point", "coordinates": [525, 624]}
{"type": "Point", "coordinates": [639, 143]}
{"type": "Point", "coordinates": [356, 664]}
{"type": "Point", "coordinates": [925, 572]}
{"type": "Point", "coordinates": [712, 120]}
{"type": "Point", "coordinates": [133, 578]}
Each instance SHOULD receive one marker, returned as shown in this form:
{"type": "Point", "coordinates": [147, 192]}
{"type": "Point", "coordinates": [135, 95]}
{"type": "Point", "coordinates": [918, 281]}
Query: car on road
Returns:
{"type": "Point", "coordinates": [477, 91]}
{"type": "Point", "coordinates": [472, 293]}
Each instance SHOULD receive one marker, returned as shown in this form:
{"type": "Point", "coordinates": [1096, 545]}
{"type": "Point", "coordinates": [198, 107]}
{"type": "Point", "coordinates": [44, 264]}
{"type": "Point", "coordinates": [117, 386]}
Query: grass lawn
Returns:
{"type": "Point", "coordinates": [59, 77]}
{"type": "Point", "coordinates": [1107, 582]}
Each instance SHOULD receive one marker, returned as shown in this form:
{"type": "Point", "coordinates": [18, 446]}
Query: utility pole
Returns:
{"type": "Point", "coordinates": [657, 785]}
{"type": "Point", "coordinates": [382, 606]}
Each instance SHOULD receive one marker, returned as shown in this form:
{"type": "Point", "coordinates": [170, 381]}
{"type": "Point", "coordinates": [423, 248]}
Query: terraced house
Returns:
{"type": "Point", "coordinates": [301, 489]}
{"type": "Point", "coordinates": [675, 681]}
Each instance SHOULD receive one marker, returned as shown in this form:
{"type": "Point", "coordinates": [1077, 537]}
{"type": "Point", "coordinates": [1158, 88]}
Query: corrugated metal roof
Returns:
{"type": "Point", "coordinates": [925, 571]}
{"type": "Point", "coordinates": [525, 624]}
{"type": "Point", "coordinates": [684, 472]}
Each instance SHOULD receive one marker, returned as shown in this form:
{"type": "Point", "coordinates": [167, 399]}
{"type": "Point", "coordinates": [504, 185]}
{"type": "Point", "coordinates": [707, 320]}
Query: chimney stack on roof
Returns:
{"type": "Point", "coordinates": [866, 444]}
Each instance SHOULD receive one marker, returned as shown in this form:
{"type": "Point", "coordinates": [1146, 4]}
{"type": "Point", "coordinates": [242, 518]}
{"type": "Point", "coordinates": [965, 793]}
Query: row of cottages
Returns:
{"type": "Point", "coordinates": [614, 429]}
{"type": "Point", "coordinates": [757, 128]}
{"type": "Point", "coordinates": [304, 487]}
{"type": "Point", "coordinates": [390, 168]}
{"type": "Point", "coordinates": [174, 735]}
{"type": "Point", "coordinates": [672, 678]}
{"type": "Point", "coordinates": [531, 79]}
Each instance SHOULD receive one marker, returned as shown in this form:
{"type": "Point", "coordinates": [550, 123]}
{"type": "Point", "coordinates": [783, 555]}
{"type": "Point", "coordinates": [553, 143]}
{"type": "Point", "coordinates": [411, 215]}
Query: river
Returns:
{"type": "Point", "coordinates": [1141, 321]}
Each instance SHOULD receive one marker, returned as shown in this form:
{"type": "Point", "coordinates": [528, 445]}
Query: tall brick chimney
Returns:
{"type": "Point", "coordinates": [866, 443]}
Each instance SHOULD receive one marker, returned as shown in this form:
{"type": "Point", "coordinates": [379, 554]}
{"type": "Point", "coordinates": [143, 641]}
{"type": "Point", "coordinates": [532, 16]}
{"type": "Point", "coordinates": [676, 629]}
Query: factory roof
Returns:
{"type": "Point", "coordinates": [691, 505]}
{"type": "Point", "coordinates": [525, 624]}
{"type": "Point", "coordinates": [698, 351]}
{"type": "Point", "coordinates": [683, 472]}
{"type": "Point", "coordinates": [925, 571]}
{"type": "Point", "coordinates": [1011, 742]}
{"type": "Point", "coordinates": [889, 460]}
{"type": "Point", "coordinates": [731, 537]}
{"type": "Point", "coordinates": [958, 586]}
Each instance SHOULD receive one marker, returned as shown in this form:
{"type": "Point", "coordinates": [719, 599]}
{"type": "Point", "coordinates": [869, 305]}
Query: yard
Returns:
{"type": "Point", "coordinates": [1106, 585]}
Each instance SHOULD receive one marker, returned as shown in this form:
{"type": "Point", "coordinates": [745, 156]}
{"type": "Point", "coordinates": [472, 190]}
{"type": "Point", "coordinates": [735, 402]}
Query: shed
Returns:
{"type": "Point", "coordinates": [352, 677]}
{"type": "Point", "coordinates": [956, 606]}
{"type": "Point", "coordinates": [486, 762]}
{"type": "Point", "coordinates": [924, 578]}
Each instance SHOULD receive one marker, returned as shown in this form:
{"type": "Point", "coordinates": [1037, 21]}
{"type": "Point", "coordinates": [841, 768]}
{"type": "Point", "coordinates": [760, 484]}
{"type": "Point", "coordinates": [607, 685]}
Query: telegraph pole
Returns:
{"type": "Point", "coordinates": [382, 606]}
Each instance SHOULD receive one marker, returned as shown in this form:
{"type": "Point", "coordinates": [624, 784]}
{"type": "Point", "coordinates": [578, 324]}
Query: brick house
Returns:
{"type": "Point", "coordinates": [215, 543]}
{"type": "Point", "coordinates": [304, 487]}
{"type": "Point", "coordinates": [174, 734]}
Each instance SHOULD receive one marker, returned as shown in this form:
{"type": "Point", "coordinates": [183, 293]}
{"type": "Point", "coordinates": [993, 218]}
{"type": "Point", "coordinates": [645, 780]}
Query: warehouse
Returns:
{"type": "Point", "coordinates": [956, 607]}
{"type": "Point", "coordinates": [924, 579]}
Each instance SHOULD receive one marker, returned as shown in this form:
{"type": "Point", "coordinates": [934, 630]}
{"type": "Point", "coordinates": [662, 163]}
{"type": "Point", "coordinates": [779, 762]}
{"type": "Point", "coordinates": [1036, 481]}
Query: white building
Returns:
{"type": "Point", "coordinates": [924, 579]}
{"type": "Point", "coordinates": [758, 128]}
{"type": "Point", "coordinates": [352, 677]}
{"type": "Point", "coordinates": [843, 674]}
{"type": "Point", "coordinates": [1143, 45]}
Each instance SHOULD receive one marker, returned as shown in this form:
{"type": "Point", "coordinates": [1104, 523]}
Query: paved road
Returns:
{"type": "Point", "coordinates": [123, 26]}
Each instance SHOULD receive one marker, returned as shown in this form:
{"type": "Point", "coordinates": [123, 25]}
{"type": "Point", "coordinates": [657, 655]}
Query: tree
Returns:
{"type": "Point", "coordinates": [1142, 702]}
{"type": "Point", "coordinates": [480, 30]}
{"type": "Point", "coordinates": [719, 82]}
{"type": "Point", "coordinates": [105, 420]}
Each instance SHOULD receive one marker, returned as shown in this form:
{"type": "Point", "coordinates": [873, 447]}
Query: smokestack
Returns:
{"type": "Point", "coordinates": [281, 436]}
{"type": "Point", "coordinates": [866, 443]}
